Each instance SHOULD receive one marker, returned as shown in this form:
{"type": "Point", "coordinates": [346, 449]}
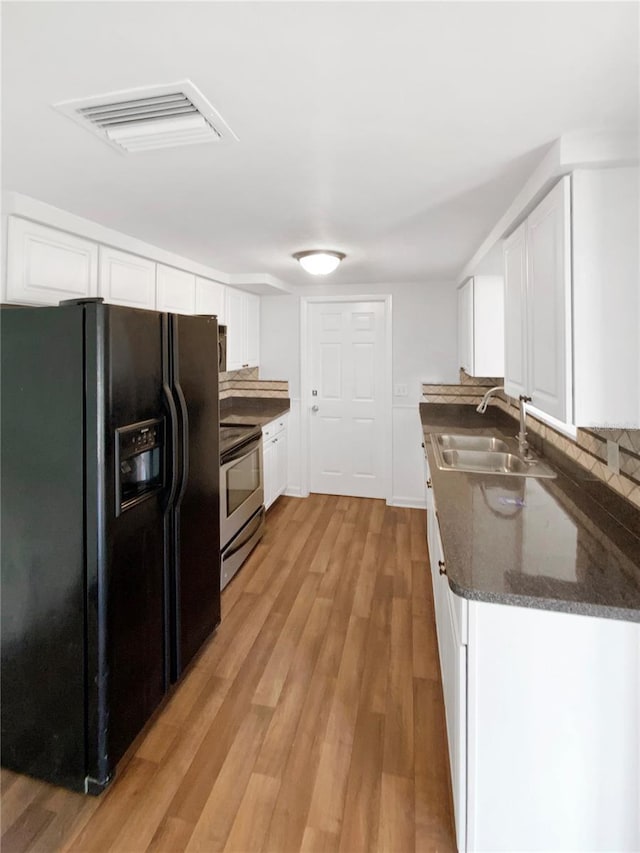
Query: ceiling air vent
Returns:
{"type": "Point", "coordinates": [150, 118]}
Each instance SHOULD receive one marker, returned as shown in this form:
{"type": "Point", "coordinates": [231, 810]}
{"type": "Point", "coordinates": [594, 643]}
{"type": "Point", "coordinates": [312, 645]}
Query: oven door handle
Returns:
{"type": "Point", "coordinates": [250, 530]}
{"type": "Point", "coordinates": [246, 450]}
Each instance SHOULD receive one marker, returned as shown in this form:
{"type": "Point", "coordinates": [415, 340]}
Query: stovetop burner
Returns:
{"type": "Point", "coordinates": [235, 435]}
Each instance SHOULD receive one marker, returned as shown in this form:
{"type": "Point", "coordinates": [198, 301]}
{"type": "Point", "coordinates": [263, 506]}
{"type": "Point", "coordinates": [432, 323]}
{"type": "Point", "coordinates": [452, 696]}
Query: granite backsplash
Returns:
{"type": "Point", "coordinates": [588, 449]}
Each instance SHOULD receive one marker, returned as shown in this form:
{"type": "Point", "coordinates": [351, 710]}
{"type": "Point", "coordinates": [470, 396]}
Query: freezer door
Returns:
{"type": "Point", "coordinates": [127, 594]}
{"type": "Point", "coordinates": [196, 523]}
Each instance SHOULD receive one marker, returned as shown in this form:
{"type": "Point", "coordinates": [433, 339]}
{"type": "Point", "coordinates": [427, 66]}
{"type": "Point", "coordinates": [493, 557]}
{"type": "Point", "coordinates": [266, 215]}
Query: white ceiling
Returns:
{"type": "Point", "coordinates": [395, 132]}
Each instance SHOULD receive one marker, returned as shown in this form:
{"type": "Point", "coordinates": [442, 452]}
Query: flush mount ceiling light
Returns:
{"type": "Point", "coordinates": [319, 261]}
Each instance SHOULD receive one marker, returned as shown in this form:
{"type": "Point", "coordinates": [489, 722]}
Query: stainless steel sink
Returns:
{"type": "Point", "coordinates": [484, 455]}
{"type": "Point", "coordinates": [471, 442]}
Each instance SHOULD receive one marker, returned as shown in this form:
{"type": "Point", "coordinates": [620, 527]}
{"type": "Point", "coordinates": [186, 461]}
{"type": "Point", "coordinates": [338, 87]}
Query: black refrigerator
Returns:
{"type": "Point", "coordinates": [110, 535]}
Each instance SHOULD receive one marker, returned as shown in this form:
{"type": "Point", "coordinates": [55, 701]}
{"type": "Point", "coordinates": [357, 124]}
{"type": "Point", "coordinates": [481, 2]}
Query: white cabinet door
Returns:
{"type": "Point", "coordinates": [126, 279]}
{"type": "Point", "coordinates": [269, 472]}
{"type": "Point", "coordinates": [45, 266]}
{"type": "Point", "coordinates": [515, 317]}
{"type": "Point", "coordinates": [235, 317]}
{"type": "Point", "coordinates": [176, 290]}
{"type": "Point", "coordinates": [465, 327]}
{"type": "Point", "coordinates": [242, 316]}
{"type": "Point", "coordinates": [451, 616]}
{"type": "Point", "coordinates": [210, 298]}
{"type": "Point", "coordinates": [549, 302]}
{"type": "Point", "coordinates": [252, 327]}
{"type": "Point", "coordinates": [282, 464]}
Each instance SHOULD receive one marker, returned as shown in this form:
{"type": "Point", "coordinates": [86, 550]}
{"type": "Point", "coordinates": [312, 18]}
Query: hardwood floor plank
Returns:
{"type": "Point", "coordinates": [327, 803]}
{"type": "Point", "coordinates": [275, 674]}
{"type": "Point", "coordinates": [396, 827]}
{"type": "Point", "coordinates": [398, 752]}
{"type": "Point", "coordinates": [312, 720]}
{"type": "Point", "coordinates": [139, 829]}
{"type": "Point", "coordinates": [25, 829]}
{"type": "Point", "coordinates": [115, 805]}
{"type": "Point", "coordinates": [217, 815]}
{"type": "Point", "coordinates": [425, 649]}
{"type": "Point", "coordinates": [433, 799]}
{"type": "Point", "coordinates": [289, 818]}
{"type": "Point", "coordinates": [362, 803]}
{"type": "Point", "coordinates": [172, 836]}
{"type": "Point", "coordinates": [197, 782]}
{"type": "Point", "coordinates": [418, 525]}
{"type": "Point", "coordinates": [403, 574]}
{"type": "Point", "coordinates": [253, 816]}
{"type": "Point", "coordinates": [282, 729]}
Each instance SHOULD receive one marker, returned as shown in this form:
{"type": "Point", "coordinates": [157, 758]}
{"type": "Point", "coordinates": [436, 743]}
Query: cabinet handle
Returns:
{"type": "Point", "coordinates": [422, 445]}
{"type": "Point", "coordinates": [245, 365]}
{"type": "Point", "coordinates": [442, 567]}
{"type": "Point", "coordinates": [429, 486]}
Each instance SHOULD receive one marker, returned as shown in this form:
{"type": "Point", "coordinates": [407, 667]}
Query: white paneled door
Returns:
{"type": "Point", "coordinates": [347, 371]}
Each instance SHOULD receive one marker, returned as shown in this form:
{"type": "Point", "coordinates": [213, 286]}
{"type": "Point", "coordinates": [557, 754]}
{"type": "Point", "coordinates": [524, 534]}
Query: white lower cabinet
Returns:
{"type": "Point", "coordinates": [275, 458]}
{"type": "Point", "coordinates": [542, 712]}
{"type": "Point", "coordinates": [126, 279]}
{"type": "Point", "coordinates": [45, 266]}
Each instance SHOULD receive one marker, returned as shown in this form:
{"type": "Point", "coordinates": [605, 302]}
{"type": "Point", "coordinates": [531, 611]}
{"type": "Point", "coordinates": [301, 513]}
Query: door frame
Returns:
{"type": "Point", "coordinates": [305, 385]}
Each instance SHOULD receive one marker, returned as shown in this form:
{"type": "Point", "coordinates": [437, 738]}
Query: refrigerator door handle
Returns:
{"type": "Point", "coordinates": [184, 416]}
{"type": "Point", "coordinates": [173, 428]}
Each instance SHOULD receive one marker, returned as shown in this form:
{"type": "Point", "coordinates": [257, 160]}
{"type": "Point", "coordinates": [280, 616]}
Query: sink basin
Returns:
{"type": "Point", "coordinates": [484, 455]}
{"type": "Point", "coordinates": [471, 442]}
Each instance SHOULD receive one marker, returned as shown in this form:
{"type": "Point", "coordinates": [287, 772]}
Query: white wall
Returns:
{"type": "Point", "coordinates": [424, 350]}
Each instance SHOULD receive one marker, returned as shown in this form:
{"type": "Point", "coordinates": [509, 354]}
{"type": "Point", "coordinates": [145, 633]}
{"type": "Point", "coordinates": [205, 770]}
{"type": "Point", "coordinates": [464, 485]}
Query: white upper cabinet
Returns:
{"type": "Point", "coordinates": [606, 297]}
{"type": "Point", "coordinates": [242, 318]}
{"type": "Point", "coordinates": [126, 279]}
{"type": "Point", "coordinates": [465, 326]}
{"type": "Point", "coordinates": [572, 290]}
{"type": "Point", "coordinates": [481, 325]}
{"type": "Point", "coordinates": [252, 351]}
{"type": "Point", "coordinates": [210, 298]}
{"type": "Point", "coordinates": [515, 317]}
{"type": "Point", "coordinates": [45, 265]}
{"type": "Point", "coordinates": [537, 264]}
{"type": "Point", "coordinates": [175, 290]}
{"type": "Point", "coordinates": [549, 303]}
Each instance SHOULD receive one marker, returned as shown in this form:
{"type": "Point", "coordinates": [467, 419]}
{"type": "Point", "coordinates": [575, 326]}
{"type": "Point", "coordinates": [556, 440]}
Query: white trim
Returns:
{"type": "Point", "coordinates": [17, 204]}
{"type": "Point", "coordinates": [410, 503]}
{"type": "Point", "coordinates": [293, 492]}
{"type": "Point", "coordinates": [560, 426]}
{"type": "Point", "coordinates": [568, 152]}
{"type": "Point", "coordinates": [305, 383]}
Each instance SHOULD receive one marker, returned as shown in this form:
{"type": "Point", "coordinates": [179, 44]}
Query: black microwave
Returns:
{"type": "Point", "coordinates": [222, 349]}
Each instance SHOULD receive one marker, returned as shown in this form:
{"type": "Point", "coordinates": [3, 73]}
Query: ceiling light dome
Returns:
{"type": "Point", "coordinates": [319, 261]}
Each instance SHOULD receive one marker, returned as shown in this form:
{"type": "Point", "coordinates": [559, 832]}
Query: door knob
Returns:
{"type": "Point", "coordinates": [314, 408]}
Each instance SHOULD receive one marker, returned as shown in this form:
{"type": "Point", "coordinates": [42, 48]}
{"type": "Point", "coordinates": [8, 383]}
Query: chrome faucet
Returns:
{"type": "Point", "coordinates": [523, 444]}
{"type": "Point", "coordinates": [482, 408]}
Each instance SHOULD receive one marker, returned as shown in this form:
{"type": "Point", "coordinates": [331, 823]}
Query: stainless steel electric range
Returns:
{"type": "Point", "coordinates": [241, 495]}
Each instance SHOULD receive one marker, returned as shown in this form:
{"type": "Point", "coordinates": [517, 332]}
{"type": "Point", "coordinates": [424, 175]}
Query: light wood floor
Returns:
{"type": "Point", "coordinates": [312, 721]}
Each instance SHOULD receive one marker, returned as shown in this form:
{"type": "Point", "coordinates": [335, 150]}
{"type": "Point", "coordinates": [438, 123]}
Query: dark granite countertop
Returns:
{"type": "Point", "coordinates": [253, 410]}
{"type": "Point", "coordinates": [542, 543]}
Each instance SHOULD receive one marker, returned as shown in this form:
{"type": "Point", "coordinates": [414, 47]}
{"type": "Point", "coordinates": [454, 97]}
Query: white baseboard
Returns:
{"type": "Point", "coordinates": [410, 503]}
{"type": "Point", "coordinates": [294, 492]}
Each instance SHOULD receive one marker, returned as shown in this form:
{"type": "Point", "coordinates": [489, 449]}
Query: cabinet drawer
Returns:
{"type": "Point", "coordinates": [272, 429]}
